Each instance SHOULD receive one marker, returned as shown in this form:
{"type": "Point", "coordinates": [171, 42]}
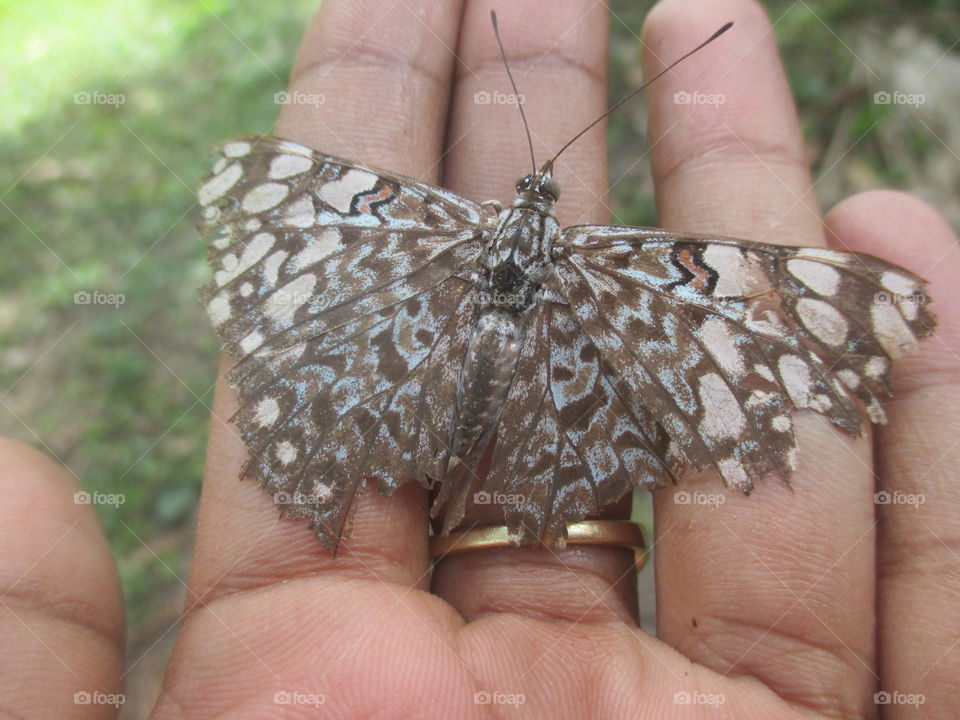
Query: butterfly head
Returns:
{"type": "Point", "coordinates": [538, 191]}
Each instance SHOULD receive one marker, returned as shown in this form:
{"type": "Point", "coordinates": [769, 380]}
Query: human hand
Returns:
{"type": "Point", "coordinates": [795, 612]}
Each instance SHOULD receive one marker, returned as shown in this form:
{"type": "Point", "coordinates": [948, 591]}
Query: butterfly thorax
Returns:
{"type": "Point", "coordinates": [516, 257]}
{"type": "Point", "coordinates": [516, 261]}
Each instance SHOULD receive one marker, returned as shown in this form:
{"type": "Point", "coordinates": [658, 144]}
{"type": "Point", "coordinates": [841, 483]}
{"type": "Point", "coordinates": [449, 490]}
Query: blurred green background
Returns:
{"type": "Point", "coordinates": [109, 108]}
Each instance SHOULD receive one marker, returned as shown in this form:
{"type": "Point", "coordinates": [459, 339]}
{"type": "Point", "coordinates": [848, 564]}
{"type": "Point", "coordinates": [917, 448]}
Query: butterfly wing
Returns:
{"type": "Point", "coordinates": [721, 338]}
{"type": "Point", "coordinates": [345, 292]}
{"type": "Point", "coordinates": [571, 437]}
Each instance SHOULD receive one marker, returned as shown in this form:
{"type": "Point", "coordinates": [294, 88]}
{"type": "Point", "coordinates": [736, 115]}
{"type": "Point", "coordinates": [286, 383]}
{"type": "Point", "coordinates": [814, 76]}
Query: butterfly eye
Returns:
{"type": "Point", "coordinates": [524, 183]}
{"type": "Point", "coordinates": [550, 187]}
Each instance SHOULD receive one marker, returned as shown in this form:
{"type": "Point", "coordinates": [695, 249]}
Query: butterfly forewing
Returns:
{"type": "Point", "coordinates": [337, 288]}
{"type": "Point", "coordinates": [723, 337]}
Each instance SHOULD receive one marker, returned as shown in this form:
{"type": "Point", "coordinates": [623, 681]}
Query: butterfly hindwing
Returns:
{"type": "Point", "coordinates": [571, 438]}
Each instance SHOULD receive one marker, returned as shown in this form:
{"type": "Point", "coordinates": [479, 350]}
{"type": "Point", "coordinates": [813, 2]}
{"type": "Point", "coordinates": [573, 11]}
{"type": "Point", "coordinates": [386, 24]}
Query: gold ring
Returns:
{"type": "Point", "coordinates": [614, 533]}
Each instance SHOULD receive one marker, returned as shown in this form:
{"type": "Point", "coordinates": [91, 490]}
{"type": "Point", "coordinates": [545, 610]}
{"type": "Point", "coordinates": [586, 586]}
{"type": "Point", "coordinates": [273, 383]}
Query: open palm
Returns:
{"type": "Point", "coordinates": [797, 603]}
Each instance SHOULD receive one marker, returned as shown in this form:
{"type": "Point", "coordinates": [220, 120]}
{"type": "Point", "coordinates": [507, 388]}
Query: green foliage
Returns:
{"type": "Point", "coordinates": [98, 197]}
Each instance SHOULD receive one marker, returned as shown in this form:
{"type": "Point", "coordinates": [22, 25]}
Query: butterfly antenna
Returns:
{"type": "Point", "coordinates": [718, 33]}
{"type": "Point", "coordinates": [516, 95]}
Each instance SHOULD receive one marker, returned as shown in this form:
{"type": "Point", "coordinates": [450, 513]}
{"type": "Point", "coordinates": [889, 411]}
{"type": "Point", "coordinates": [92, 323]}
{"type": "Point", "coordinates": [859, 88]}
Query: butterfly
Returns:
{"type": "Point", "coordinates": [388, 329]}
{"type": "Point", "coordinates": [391, 330]}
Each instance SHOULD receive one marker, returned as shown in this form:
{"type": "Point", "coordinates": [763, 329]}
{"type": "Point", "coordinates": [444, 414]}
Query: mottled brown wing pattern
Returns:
{"type": "Point", "coordinates": [572, 438]}
{"type": "Point", "coordinates": [343, 291]}
{"type": "Point", "coordinates": [723, 338]}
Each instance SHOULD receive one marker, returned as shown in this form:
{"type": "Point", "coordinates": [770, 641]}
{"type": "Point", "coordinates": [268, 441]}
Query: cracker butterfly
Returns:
{"type": "Point", "coordinates": [389, 329]}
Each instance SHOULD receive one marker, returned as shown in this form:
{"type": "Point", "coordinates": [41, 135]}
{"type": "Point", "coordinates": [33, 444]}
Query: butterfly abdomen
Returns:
{"type": "Point", "coordinates": [516, 261]}
{"type": "Point", "coordinates": [488, 369]}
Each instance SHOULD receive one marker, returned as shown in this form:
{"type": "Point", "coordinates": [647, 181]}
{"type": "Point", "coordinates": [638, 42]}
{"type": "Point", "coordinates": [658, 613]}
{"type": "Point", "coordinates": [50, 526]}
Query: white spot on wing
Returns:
{"type": "Point", "coordinates": [897, 283]}
{"type": "Point", "coordinates": [219, 184]}
{"type": "Point", "coordinates": [266, 412]}
{"type": "Point", "coordinates": [818, 276]}
{"type": "Point", "coordinates": [722, 416]}
{"type": "Point", "coordinates": [767, 323]}
{"type": "Point", "coordinates": [284, 166]}
{"type": "Point", "coordinates": [728, 262]}
{"type": "Point", "coordinates": [734, 473]}
{"type": "Point", "coordinates": [781, 423]}
{"type": "Point", "coordinates": [875, 412]}
{"type": "Point", "coordinates": [271, 267]}
{"type": "Point", "coordinates": [764, 372]}
{"type": "Point", "coordinates": [824, 321]}
{"type": "Point", "coordinates": [284, 303]}
{"type": "Point", "coordinates": [890, 329]}
{"type": "Point", "coordinates": [322, 492]}
{"type": "Point", "coordinates": [317, 250]}
{"type": "Point", "coordinates": [301, 213]}
{"type": "Point", "coordinates": [849, 378]}
{"type": "Point", "coordinates": [251, 342]}
{"type": "Point", "coordinates": [258, 246]}
{"type": "Point", "coordinates": [821, 403]}
{"type": "Point", "coordinates": [909, 306]}
{"type": "Point", "coordinates": [264, 196]}
{"type": "Point", "coordinates": [238, 148]}
{"type": "Point", "coordinates": [875, 367]}
{"type": "Point", "coordinates": [796, 379]}
{"type": "Point", "coordinates": [716, 336]}
{"type": "Point", "coordinates": [286, 452]}
{"type": "Point", "coordinates": [218, 309]}
{"type": "Point", "coordinates": [340, 193]}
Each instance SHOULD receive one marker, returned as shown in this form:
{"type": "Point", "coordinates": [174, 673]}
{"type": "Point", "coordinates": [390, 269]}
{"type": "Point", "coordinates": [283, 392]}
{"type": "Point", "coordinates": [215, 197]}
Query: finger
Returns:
{"type": "Point", "coordinates": [917, 456]}
{"type": "Point", "coordinates": [61, 612]}
{"type": "Point", "coordinates": [382, 71]}
{"type": "Point", "coordinates": [555, 57]}
{"type": "Point", "coordinates": [755, 586]}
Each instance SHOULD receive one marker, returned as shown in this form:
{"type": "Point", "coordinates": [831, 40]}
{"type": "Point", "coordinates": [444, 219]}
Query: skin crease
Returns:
{"type": "Point", "coordinates": [805, 602]}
